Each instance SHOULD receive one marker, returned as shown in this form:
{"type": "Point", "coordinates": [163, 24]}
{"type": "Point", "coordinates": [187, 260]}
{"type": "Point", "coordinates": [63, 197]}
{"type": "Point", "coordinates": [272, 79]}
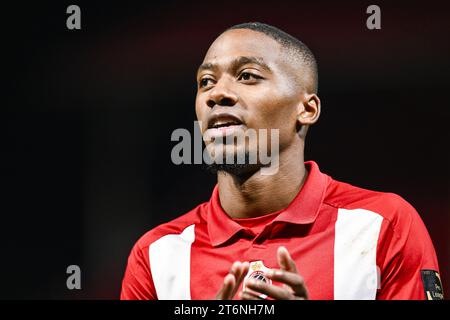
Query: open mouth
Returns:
{"type": "Point", "coordinates": [223, 124]}
{"type": "Point", "coordinates": [223, 121]}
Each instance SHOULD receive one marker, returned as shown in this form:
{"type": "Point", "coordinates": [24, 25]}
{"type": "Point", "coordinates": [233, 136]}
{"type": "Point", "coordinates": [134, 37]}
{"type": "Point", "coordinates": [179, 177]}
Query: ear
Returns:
{"type": "Point", "coordinates": [308, 112]}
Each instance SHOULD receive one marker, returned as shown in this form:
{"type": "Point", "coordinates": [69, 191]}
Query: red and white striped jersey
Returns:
{"type": "Point", "coordinates": [347, 242]}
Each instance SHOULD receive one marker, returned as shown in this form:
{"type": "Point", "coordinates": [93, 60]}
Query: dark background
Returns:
{"type": "Point", "coordinates": [87, 118]}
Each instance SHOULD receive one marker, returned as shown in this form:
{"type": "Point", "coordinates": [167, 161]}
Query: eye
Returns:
{"type": "Point", "coordinates": [246, 76]}
{"type": "Point", "coordinates": [204, 82]}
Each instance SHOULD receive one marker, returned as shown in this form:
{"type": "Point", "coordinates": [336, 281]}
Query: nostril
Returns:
{"type": "Point", "coordinates": [210, 103]}
{"type": "Point", "coordinates": [227, 102]}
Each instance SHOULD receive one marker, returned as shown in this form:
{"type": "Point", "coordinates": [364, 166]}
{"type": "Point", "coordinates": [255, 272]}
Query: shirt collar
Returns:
{"type": "Point", "coordinates": [302, 210]}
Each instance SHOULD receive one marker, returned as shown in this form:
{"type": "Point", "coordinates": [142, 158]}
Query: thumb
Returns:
{"type": "Point", "coordinates": [285, 261]}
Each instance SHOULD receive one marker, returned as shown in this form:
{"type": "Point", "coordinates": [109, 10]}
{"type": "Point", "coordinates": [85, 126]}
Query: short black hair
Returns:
{"type": "Point", "coordinates": [289, 42]}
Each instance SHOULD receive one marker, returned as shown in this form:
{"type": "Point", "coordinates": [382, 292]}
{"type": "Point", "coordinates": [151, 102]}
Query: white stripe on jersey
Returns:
{"type": "Point", "coordinates": [355, 250]}
{"type": "Point", "coordinates": [170, 263]}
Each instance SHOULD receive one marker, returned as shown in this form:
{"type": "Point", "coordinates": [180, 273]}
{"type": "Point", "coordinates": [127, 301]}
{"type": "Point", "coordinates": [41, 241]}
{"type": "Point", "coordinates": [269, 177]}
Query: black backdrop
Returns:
{"type": "Point", "coordinates": [88, 115]}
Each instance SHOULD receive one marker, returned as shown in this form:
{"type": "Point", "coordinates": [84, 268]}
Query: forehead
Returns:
{"type": "Point", "coordinates": [243, 42]}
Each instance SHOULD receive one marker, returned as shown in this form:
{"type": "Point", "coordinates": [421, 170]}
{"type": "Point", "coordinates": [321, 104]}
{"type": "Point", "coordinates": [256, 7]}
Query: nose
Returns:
{"type": "Point", "coordinates": [221, 95]}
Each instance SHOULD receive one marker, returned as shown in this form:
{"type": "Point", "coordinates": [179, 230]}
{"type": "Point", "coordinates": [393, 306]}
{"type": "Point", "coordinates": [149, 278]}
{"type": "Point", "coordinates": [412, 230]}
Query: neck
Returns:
{"type": "Point", "coordinates": [256, 194]}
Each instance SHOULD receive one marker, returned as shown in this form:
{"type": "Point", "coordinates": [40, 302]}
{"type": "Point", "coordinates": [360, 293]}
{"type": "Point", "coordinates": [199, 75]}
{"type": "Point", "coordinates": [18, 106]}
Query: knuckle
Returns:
{"type": "Point", "coordinates": [280, 274]}
{"type": "Point", "coordinates": [286, 295]}
{"type": "Point", "coordinates": [299, 281]}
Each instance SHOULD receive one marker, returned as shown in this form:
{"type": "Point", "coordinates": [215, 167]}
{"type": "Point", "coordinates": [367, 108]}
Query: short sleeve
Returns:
{"type": "Point", "coordinates": [407, 259]}
{"type": "Point", "coordinates": [137, 283]}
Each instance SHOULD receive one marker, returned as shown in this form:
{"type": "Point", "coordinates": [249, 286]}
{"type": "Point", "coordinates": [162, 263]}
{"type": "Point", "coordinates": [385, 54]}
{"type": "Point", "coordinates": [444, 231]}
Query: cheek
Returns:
{"type": "Point", "coordinates": [200, 111]}
{"type": "Point", "coordinates": [275, 111]}
{"type": "Point", "coordinates": [198, 108]}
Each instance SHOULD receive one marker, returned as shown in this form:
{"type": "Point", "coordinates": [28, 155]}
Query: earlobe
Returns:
{"type": "Point", "coordinates": [302, 129]}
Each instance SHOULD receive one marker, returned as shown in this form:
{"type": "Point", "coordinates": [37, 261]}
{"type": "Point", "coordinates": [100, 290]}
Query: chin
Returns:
{"type": "Point", "coordinates": [234, 167]}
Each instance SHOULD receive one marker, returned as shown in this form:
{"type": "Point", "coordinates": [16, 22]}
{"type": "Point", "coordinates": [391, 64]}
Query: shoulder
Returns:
{"type": "Point", "coordinates": [391, 207]}
{"type": "Point", "coordinates": [174, 227]}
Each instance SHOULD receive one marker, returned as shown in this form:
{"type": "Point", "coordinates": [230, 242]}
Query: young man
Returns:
{"type": "Point", "coordinates": [294, 233]}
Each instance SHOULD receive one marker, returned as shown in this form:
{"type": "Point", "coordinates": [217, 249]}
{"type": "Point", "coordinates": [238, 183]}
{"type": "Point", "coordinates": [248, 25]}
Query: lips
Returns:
{"type": "Point", "coordinates": [223, 120]}
{"type": "Point", "coordinates": [223, 124]}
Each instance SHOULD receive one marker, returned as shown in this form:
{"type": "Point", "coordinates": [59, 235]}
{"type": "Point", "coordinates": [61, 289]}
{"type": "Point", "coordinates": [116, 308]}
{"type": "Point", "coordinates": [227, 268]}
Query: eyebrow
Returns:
{"type": "Point", "coordinates": [236, 63]}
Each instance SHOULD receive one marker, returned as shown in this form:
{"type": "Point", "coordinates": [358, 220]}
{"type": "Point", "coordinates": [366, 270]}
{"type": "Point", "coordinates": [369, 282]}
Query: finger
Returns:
{"type": "Point", "coordinates": [237, 269]}
{"type": "Point", "coordinates": [272, 291]}
{"type": "Point", "coordinates": [285, 261]}
{"type": "Point", "coordinates": [250, 291]}
{"type": "Point", "coordinates": [225, 292]}
{"type": "Point", "coordinates": [232, 280]}
{"type": "Point", "coordinates": [242, 273]}
{"type": "Point", "coordinates": [293, 280]}
{"type": "Point", "coordinates": [247, 295]}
